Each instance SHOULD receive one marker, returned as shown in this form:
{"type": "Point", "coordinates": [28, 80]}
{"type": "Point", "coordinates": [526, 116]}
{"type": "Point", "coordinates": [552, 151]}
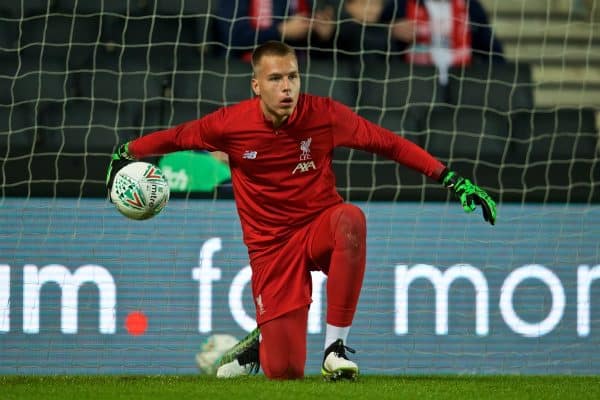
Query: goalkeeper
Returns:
{"type": "Point", "coordinates": [280, 146]}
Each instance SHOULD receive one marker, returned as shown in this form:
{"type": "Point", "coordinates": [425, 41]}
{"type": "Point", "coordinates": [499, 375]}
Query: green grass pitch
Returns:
{"type": "Point", "coordinates": [312, 387]}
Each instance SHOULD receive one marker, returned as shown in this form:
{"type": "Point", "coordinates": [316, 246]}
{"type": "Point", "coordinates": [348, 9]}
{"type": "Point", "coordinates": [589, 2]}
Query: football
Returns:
{"type": "Point", "coordinates": [140, 190]}
{"type": "Point", "coordinates": [211, 351]}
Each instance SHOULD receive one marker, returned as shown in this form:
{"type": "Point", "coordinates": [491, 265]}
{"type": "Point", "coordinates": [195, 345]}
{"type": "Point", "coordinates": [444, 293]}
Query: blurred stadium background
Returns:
{"type": "Point", "coordinates": [79, 77]}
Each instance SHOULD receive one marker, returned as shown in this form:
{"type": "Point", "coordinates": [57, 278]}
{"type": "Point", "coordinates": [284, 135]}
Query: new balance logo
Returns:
{"type": "Point", "coordinates": [249, 155]}
{"type": "Point", "coordinates": [304, 167]}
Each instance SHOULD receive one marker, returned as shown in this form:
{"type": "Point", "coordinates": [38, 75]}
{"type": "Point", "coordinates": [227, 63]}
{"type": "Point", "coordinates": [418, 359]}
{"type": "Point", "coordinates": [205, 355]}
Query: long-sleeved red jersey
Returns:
{"type": "Point", "coordinates": [282, 177]}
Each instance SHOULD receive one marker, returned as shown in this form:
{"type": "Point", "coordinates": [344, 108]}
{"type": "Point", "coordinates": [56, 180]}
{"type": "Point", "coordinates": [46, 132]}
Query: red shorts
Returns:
{"type": "Point", "coordinates": [283, 283]}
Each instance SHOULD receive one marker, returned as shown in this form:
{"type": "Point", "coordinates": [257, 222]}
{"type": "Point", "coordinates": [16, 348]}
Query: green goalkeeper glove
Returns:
{"type": "Point", "coordinates": [118, 160]}
{"type": "Point", "coordinates": [470, 195]}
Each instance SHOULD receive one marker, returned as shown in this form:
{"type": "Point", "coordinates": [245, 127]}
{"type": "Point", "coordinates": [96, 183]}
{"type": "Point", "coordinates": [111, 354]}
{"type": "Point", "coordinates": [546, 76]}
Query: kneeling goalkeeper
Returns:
{"type": "Point", "coordinates": [280, 146]}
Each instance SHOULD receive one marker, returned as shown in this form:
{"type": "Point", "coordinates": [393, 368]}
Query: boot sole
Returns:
{"type": "Point", "coordinates": [341, 374]}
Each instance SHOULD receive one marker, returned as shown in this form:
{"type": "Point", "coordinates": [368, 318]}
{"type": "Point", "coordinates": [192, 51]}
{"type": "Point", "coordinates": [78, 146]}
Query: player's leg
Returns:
{"type": "Point", "coordinates": [283, 345]}
{"type": "Point", "coordinates": [281, 288]}
{"type": "Point", "coordinates": [339, 244]}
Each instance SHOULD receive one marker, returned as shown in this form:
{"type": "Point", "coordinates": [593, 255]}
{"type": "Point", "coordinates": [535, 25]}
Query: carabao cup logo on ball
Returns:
{"type": "Point", "coordinates": [140, 190]}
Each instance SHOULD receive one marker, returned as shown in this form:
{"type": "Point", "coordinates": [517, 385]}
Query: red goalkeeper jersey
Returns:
{"type": "Point", "coordinates": [282, 177]}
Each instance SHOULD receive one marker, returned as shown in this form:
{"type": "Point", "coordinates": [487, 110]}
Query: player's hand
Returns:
{"type": "Point", "coordinates": [118, 160]}
{"type": "Point", "coordinates": [295, 27]}
{"type": "Point", "coordinates": [470, 195]}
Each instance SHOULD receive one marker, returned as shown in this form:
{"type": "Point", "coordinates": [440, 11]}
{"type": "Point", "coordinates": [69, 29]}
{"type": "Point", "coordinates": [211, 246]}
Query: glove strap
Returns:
{"type": "Point", "coordinates": [123, 153]}
{"type": "Point", "coordinates": [449, 178]}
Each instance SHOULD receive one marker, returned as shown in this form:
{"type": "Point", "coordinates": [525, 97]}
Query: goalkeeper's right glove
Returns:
{"type": "Point", "coordinates": [470, 195]}
{"type": "Point", "coordinates": [118, 160]}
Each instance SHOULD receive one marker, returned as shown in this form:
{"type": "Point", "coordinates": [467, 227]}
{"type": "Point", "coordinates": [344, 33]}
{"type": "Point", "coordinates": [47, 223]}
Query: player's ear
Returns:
{"type": "Point", "coordinates": [255, 88]}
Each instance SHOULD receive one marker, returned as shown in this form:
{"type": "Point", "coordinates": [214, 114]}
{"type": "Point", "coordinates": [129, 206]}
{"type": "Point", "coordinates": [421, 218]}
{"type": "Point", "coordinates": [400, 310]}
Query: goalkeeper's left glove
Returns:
{"type": "Point", "coordinates": [118, 160]}
{"type": "Point", "coordinates": [470, 195]}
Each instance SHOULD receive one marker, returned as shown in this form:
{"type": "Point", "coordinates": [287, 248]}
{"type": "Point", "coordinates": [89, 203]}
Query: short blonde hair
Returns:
{"type": "Point", "coordinates": [271, 48]}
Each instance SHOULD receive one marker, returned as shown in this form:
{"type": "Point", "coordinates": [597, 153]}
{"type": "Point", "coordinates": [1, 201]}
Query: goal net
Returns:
{"type": "Point", "coordinates": [82, 290]}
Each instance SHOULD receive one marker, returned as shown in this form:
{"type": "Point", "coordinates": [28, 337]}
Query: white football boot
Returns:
{"type": "Point", "coordinates": [242, 359]}
{"type": "Point", "coordinates": [336, 365]}
{"type": "Point", "coordinates": [233, 369]}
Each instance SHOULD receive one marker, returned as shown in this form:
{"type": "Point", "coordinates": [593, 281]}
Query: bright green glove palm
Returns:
{"type": "Point", "coordinates": [470, 195]}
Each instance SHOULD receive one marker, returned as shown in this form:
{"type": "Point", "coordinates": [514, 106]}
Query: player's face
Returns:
{"type": "Point", "coordinates": [277, 81]}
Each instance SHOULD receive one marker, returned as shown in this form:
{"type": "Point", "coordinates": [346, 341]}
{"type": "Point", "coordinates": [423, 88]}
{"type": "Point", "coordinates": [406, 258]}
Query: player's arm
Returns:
{"type": "Point", "coordinates": [199, 134]}
{"type": "Point", "coordinates": [157, 143]}
{"type": "Point", "coordinates": [350, 130]}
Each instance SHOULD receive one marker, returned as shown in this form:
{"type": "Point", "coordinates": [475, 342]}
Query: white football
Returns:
{"type": "Point", "coordinates": [140, 190]}
{"type": "Point", "coordinates": [211, 351]}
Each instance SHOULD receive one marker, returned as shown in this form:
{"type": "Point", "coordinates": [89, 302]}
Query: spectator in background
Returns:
{"type": "Point", "coordinates": [243, 24]}
{"type": "Point", "coordinates": [364, 28]}
{"type": "Point", "coordinates": [445, 33]}
{"type": "Point", "coordinates": [428, 32]}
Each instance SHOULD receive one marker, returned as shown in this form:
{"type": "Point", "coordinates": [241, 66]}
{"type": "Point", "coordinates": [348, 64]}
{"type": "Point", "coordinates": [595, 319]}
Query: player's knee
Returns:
{"type": "Point", "coordinates": [295, 372]}
{"type": "Point", "coordinates": [350, 228]}
{"type": "Point", "coordinates": [276, 365]}
{"type": "Point", "coordinates": [283, 371]}
{"type": "Point", "coordinates": [273, 371]}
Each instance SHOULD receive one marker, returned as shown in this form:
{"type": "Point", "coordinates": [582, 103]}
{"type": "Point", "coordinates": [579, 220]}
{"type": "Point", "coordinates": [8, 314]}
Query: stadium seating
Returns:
{"type": "Point", "coordinates": [97, 7]}
{"type": "Point", "coordinates": [176, 112]}
{"type": "Point", "coordinates": [18, 137]}
{"type": "Point", "coordinates": [316, 76]}
{"type": "Point", "coordinates": [180, 7]}
{"type": "Point", "coordinates": [461, 133]}
{"type": "Point", "coordinates": [165, 114]}
{"type": "Point", "coordinates": [21, 8]}
{"type": "Point", "coordinates": [501, 87]}
{"type": "Point", "coordinates": [9, 36]}
{"type": "Point", "coordinates": [128, 68]}
{"type": "Point", "coordinates": [35, 81]}
{"type": "Point", "coordinates": [65, 153]}
{"type": "Point", "coordinates": [392, 83]}
{"type": "Point", "coordinates": [158, 41]}
{"type": "Point", "coordinates": [396, 94]}
{"type": "Point", "coordinates": [9, 63]}
{"type": "Point", "coordinates": [69, 39]}
{"type": "Point", "coordinates": [212, 80]}
{"type": "Point", "coordinates": [17, 130]}
{"type": "Point", "coordinates": [560, 148]}
{"type": "Point", "coordinates": [471, 141]}
{"type": "Point", "coordinates": [200, 17]}
{"type": "Point", "coordinates": [81, 126]}
{"type": "Point", "coordinates": [556, 38]}
{"type": "Point", "coordinates": [123, 78]}
{"type": "Point", "coordinates": [561, 135]}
